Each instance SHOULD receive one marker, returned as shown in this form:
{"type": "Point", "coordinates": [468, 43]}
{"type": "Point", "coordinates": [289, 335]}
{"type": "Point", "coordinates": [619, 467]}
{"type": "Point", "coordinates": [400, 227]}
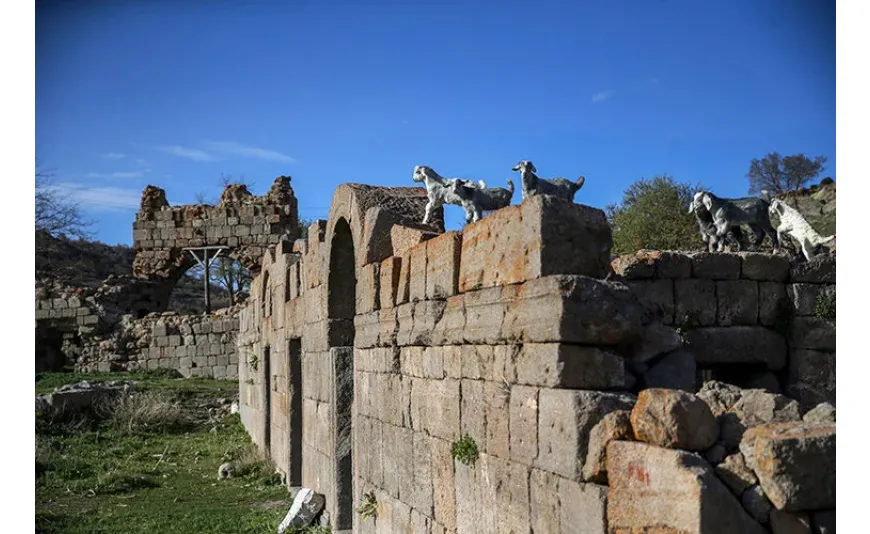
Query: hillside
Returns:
{"type": "Point", "coordinates": [82, 263]}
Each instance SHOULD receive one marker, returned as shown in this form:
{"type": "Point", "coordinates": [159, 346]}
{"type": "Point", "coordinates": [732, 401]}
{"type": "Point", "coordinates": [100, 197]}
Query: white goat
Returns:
{"type": "Point", "coordinates": [792, 223]}
{"type": "Point", "coordinates": [477, 200]}
{"type": "Point", "coordinates": [439, 190]}
{"type": "Point", "coordinates": [533, 185]}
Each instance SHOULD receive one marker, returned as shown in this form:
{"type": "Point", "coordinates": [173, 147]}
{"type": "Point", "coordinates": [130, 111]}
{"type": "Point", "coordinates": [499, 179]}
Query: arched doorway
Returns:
{"type": "Point", "coordinates": [341, 311]}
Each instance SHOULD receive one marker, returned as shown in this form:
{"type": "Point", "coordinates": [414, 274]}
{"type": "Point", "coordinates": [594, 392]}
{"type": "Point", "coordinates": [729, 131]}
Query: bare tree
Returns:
{"type": "Point", "coordinates": [56, 214]}
{"type": "Point", "coordinates": [777, 174]}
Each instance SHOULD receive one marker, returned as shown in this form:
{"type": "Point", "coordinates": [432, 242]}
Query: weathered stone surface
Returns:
{"type": "Point", "coordinates": [756, 407]}
{"type": "Point", "coordinates": [813, 333]}
{"type": "Point", "coordinates": [716, 265]}
{"type": "Point", "coordinates": [484, 316]}
{"type": "Point", "coordinates": [795, 463]}
{"type": "Point", "coordinates": [764, 267]}
{"type": "Point", "coordinates": [524, 424]}
{"type": "Point", "coordinates": [656, 297]}
{"type": "Point", "coordinates": [716, 454]}
{"type": "Point", "coordinates": [719, 396]}
{"type": "Point", "coordinates": [653, 264]}
{"type": "Point", "coordinates": [789, 523]}
{"type": "Point", "coordinates": [544, 505]}
{"type": "Point", "coordinates": [738, 302]}
{"type": "Point", "coordinates": [404, 238]}
{"type": "Point", "coordinates": [804, 297]}
{"type": "Point", "coordinates": [542, 236]}
{"type": "Point", "coordinates": [570, 309]}
{"type": "Point", "coordinates": [557, 365]}
{"type": "Point", "coordinates": [765, 380]}
{"type": "Point", "coordinates": [565, 420]}
{"type": "Point", "coordinates": [756, 503]}
{"type": "Point", "coordinates": [612, 427]}
{"type": "Point", "coordinates": [770, 295]}
{"type": "Point", "coordinates": [583, 507]}
{"type": "Point", "coordinates": [737, 344]}
{"type": "Point", "coordinates": [822, 270]}
{"type": "Point", "coordinates": [655, 340]}
{"type": "Point", "coordinates": [417, 272]}
{"type": "Point", "coordinates": [812, 377]}
{"type": "Point", "coordinates": [735, 473]}
{"type": "Point", "coordinates": [674, 419]}
{"type": "Point", "coordinates": [389, 283]}
{"type": "Point", "coordinates": [823, 413]}
{"type": "Point", "coordinates": [662, 490]}
{"type": "Point", "coordinates": [442, 265]}
{"type": "Point", "coordinates": [675, 370]}
{"type": "Point", "coordinates": [694, 302]}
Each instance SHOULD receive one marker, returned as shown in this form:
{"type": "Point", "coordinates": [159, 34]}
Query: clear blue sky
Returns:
{"type": "Point", "coordinates": [174, 94]}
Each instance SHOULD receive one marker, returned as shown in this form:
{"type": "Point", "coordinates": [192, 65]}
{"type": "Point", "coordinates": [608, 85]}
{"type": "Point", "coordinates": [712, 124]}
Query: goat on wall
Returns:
{"type": "Point", "coordinates": [708, 229]}
{"type": "Point", "coordinates": [729, 213]}
{"type": "Point", "coordinates": [793, 224]}
{"type": "Point", "coordinates": [477, 200]}
{"type": "Point", "coordinates": [439, 190]}
{"type": "Point", "coordinates": [534, 185]}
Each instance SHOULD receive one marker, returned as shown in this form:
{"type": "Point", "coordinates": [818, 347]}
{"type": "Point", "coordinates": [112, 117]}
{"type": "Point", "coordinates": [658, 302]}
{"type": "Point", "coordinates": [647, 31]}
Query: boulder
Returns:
{"type": "Point", "coordinates": [716, 454]}
{"type": "Point", "coordinates": [656, 339]}
{"type": "Point", "coordinates": [673, 419]}
{"type": "Point", "coordinates": [795, 463]}
{"type": "Point", "coordinates": [614, 426]}
{"type": "Point", "coordinates": [662, 490]}
{"type": "Point", "coordinates": [756, 407]}
{"type": "Point", "coordinates": [756, 503]}
{"type": "Point", "coordinates": [735, 474]}
{"type": "Point", "coordinates": [719, 396]}
{"type": "Point", "coordinates": [788, 523]}
{"type": "Point", "coordinates": [823, 413]}
{"type": "Point", "coordinates": [306, 505]}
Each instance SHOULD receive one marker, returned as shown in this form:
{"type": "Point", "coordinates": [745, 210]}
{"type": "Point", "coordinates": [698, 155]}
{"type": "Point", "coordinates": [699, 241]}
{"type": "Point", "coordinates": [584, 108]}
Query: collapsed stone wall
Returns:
{"type": "Point", "coordinates": [112, 327]}
{"type": "Point", "coordinates": [366, 356]}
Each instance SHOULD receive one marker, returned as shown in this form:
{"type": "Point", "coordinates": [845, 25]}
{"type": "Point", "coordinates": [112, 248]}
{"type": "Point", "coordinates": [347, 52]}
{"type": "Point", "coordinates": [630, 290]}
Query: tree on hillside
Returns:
{"type": "Point", "coordinates": [654, 214]}
{"type": "Point", "coordinates": [230, 274]}
{"type": "Point", "coordinates": [56, 214]}
{"type": "Point", "coordinates": [778, 174]}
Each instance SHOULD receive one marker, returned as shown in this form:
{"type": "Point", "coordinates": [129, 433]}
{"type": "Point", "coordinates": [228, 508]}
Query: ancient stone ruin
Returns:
{"type": "Point", "coordinates": [511, 377]}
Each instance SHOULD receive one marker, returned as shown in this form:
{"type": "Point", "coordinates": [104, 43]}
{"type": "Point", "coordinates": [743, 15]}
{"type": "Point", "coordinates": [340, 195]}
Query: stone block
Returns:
{"type": "Point", "coordinates": [656, 297]}
{"type": "Point", "coordinates": [427, 314]}
{"type": "Point", "coordinates": [411, 361]}
{"type": "Point", "coordinates": [496, 408]}
{"type": "Point", "coordinates": [389, 327]}
{"type": "Point", "coordinates": [585, 507]}
{"type": "Point", "coordinates": [566, 417]}
{"type": "Point", "coordinates": [450, 329]}
{"type": "Point", "coordinates": [404, 238]}
{"type": "Point", "coordinates": [738, 302]}
{"type": "Point", "coordinates": [804, 297]}
{"type": "Point", "coordinates": [771, 296]}
{"type": "Point", "coordinates": [403, 289]}
{"type": "Point", "coordinates": [813, 333]}
{"type": "Point", "coordinates": [614, 426]}
{"type": "Point", "coordinates": [764, 267]}
{"type": "Point", "coordinates": [417, 273]}
{"type": "Point", "coordinates": [695, 302]}
{"type": "Point", "coordinates": [737, 344]}
{"type": "Point", "coordinates": [524, 424]}
{"type": "Point", "coordinates": [556, 365]}
{"type": "Point", "coordinates": [716, 266]}
{"type": "Point", "coordinates": [442, 265]}
{"type": "Point", "coordinates": [540, 237]}
{"type": "Point", "coordinates": [433, 363]}
{"type": "Point", "coordinates": [389, 282]}
{"type": "Point", "coordinates": [544, 506]}
{"type": "Point", "coordinates": [421, 495]}
{"type": "Point", "coordinates": [484, 315]}
{"type": "Point", "coordinates": [812, 377]}
{"type": "Point", "coordinates": [443, 485]}
{"type": "Point", "coordinates": [675, 370]}
{"type": "Point", "coordinates": [571, 309]}
{"type": "Point", "coordinates": [653, 489]}
{"type": "Point", "coordinates": [473, 411]}
{"type": "Point", "coordinates": [822, 270]}
{"type": "Point", "coordinates": [367, 329]}
{"type": "Point", "coordinates": [673, 419]}
{"type": "Point", "coordinates": [645, 264]}
{"type": "Point", "coordinates": [368, 294]}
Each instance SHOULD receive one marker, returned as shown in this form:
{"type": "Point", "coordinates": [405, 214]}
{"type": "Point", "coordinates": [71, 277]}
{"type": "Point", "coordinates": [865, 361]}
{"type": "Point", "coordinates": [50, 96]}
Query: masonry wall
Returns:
{"type": "Point", "coordinates": [507, 333]}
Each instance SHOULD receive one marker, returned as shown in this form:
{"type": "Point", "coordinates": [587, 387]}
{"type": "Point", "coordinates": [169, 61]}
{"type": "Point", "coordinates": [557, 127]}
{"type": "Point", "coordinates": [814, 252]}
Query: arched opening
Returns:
{"type": "Point", "coordinates": [229, 283]}
{"type": "Point", "coordinates": [342, 308]}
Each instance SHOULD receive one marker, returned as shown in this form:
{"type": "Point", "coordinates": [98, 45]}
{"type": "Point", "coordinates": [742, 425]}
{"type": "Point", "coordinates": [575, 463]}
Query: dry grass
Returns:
{"type": "Point", "coordinates": [145, 410]}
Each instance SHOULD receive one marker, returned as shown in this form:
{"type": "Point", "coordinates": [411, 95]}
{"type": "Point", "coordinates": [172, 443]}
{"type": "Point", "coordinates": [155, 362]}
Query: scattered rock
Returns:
{"type": "Point", "coordinates": [756, 503]}
{"type": "Point", "coordinates": [788, 523]}
{"type": "Point", "coordinates": [82, 395]}
{"type": "Point", "coordinates": [756, 407]}
{"type": "Point", "coordinates": [676, 370]}
{"type": "Point", "coordinates": [823, 413]}
{"type": "Point", "coordinates": [613, 426]}
{"type": "Point", "coordinates": [656, 339]}
{"type": "Point", "coordinates": [735, 474]}
{"type": "Point", "coordinates": [226, 470]}
{"type": "Point", "coordinates": [673, 419]}
{"type": "Point", "coordinates": [306, 505]}
{"type": "Point", "coordinates": [795, 463]}
{"type": "Point", "coordinates": [662, 490]}
{"type": "Point", "coordinates": [716, 454]}
{"type": "Point", "coordinates": [719, 396]}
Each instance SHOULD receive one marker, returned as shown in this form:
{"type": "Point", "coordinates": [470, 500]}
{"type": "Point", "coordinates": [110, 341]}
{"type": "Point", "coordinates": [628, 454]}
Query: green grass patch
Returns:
{"type": "Point", "coordinates": [465, 450]}
{"type": "Point", "coordinates": [826, 306]}
{"type": "Point", "coordinates": [148, 463]}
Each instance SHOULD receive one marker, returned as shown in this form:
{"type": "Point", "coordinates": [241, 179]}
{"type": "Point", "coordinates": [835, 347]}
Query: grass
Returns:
{"type": "Point", "coordinates": [149, 464]}
{"type": "Point", "coordinates": [369, 507]}
{"type": "Point", "coordinates": [826, 306]}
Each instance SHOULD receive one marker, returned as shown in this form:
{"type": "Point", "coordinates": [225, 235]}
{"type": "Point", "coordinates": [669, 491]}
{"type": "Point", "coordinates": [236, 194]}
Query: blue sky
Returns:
{"type": "Point", "coordinates": [176, 94]}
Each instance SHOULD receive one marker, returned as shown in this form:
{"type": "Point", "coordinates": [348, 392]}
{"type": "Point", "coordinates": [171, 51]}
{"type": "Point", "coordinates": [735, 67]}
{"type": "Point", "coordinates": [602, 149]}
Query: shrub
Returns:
{"type": "Point", "coordinates": [465, 450]}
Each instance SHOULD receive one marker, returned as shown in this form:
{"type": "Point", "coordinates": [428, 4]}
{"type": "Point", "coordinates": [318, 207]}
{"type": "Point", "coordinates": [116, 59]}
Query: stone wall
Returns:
{"type": "Point", "coordinates": [370, 349]}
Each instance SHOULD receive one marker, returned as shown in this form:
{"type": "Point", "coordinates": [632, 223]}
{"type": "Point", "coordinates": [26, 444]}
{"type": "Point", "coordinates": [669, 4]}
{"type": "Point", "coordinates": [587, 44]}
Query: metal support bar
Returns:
{"type": "Point", "coordinates": [206, 265]}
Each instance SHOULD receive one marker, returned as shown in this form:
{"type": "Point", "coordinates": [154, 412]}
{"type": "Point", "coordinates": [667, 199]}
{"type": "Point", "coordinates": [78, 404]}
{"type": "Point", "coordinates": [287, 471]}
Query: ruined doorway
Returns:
{"type": "Point", "coordinates": [342, 308]}
{"type": "Point", "coordinates": [294, 388]}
